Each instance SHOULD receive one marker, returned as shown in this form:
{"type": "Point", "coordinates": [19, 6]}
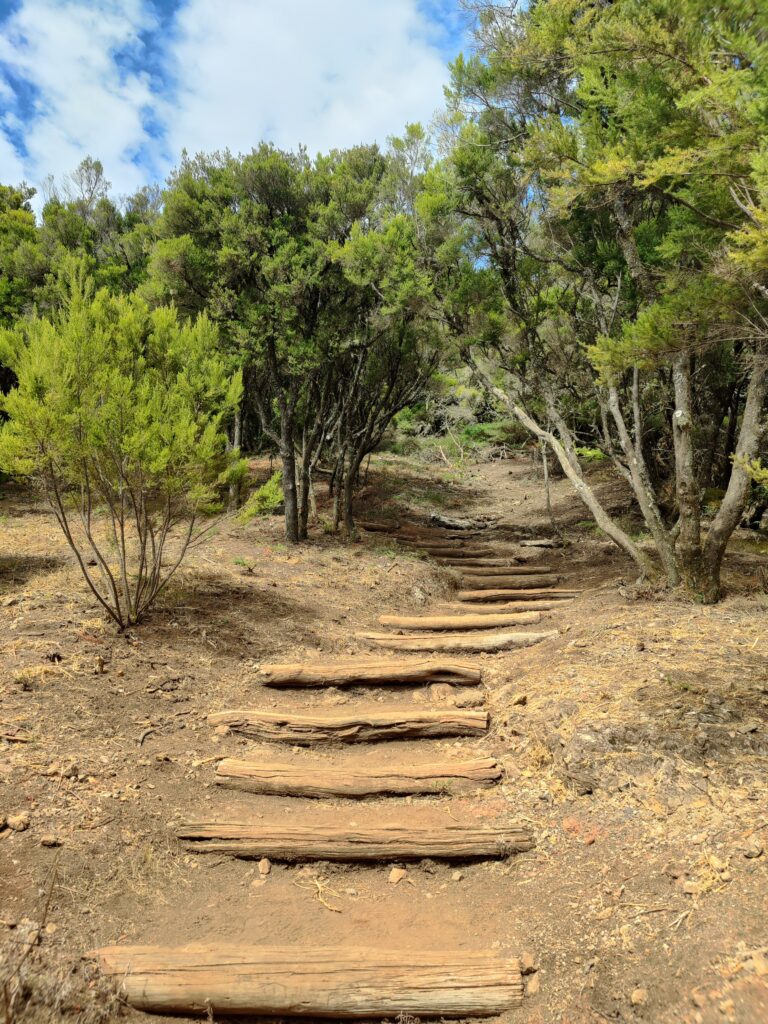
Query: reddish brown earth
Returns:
{"type": "Point", "coordinates": [635, 745]}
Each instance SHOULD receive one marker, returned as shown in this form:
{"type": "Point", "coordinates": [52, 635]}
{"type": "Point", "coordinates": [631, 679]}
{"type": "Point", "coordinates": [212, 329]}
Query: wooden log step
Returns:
{"type": "Point", "coordinates": [542, 542]}
{"type": "Point", "coordinates": [510, 594]}
{"type": "Point", "coordinates": [371, 671]}
{"type": "Point", "coordinates": [380, 526]}
{"type": "Point", "coordinates": [310, 981]}
{"type": "Point", "coordinates": [503, 607]}
{"type": "Point", "coordinates": [434, 549]}
{"type": "Point", "coordinates": [478, 641]}
{"type": "Point", "coordinates": [319, 780]}
{"type": "Point", "coordinates": [348, 727]}
{"type": "Point", "coordinates": [336, 842]}
{"type": "Point", "coordinates": [479, 562]}
{"type": "Point", "coordinates": [475, 569]}
{"type": "Point", "coordinates": [438, 622]}
{"type": "Point", "coordinates": [472, 582]}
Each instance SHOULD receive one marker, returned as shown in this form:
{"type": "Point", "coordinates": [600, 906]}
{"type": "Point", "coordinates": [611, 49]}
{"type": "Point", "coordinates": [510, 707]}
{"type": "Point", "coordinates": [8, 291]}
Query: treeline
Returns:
{"type": "Point", "coordinates": [587, 232]}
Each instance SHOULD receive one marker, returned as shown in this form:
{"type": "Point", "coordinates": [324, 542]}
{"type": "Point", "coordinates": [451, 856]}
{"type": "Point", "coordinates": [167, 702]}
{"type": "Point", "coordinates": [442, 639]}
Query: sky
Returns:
{"type": "Point", "coordinates": [134, 82]}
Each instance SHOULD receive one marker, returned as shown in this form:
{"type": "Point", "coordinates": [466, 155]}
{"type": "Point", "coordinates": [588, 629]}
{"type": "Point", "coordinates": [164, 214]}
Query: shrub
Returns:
{"type": "Point", "coordinates": [118, 414]}
{"type": "Point", "coordinates": [264, 501]}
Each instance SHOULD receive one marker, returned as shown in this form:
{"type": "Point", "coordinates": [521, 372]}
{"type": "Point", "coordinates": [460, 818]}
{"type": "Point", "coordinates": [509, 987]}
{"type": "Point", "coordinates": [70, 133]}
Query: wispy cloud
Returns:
{"type": "Point", "coordinates": [133, 83]}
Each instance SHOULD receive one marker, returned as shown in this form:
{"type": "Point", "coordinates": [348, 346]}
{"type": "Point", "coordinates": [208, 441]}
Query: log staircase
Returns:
{"type": "Point", "coordinates": [501, 595]}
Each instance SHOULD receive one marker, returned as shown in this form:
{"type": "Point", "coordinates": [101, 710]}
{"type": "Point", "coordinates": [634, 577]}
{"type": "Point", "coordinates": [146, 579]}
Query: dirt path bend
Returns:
{"type": "Point", "coordinates": [632, 744]}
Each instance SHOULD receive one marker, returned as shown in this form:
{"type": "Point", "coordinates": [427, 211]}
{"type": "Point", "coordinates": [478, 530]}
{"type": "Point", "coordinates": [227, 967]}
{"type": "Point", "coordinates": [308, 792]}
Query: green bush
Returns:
{"type": "Point", "coordinates": [118, 415]}
{"type": "Point", "coordinates": [591, 454]}
{"type": "Point", "coordinates": [264, 501]}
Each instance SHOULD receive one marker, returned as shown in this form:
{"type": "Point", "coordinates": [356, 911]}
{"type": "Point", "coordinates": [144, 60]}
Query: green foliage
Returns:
{"type": "Point", "coordinates": [590, 454]}
{"type": "Point", "coordinates": [119, 413]}
{"type": "Point", "coordinates": [265, 500]}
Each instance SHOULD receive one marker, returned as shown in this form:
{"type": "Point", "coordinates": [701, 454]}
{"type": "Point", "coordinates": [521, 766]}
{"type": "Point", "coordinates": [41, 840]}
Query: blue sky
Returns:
{"type": "Point", "coordinates": [133, 82]}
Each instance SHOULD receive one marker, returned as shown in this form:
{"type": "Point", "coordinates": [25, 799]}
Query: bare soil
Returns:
{"type": "Point", "coordinates": [635, 744]}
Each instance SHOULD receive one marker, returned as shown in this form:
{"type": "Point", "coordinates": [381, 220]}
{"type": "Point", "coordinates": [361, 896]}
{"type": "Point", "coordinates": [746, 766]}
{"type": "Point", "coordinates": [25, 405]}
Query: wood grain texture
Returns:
{"type": "Point", "coordinates": [497, 607]}
{"type": "Point", "coordinates": [373, 671]}
{"type": "Point", "coordinates": [442, 622]}
{"type": "Point", "coordinates": [478, 641]}
{"type": "Point", "coordinates": [471, 581]}
{"type": "Point", "coordinates": [283, 842]}
{"type": "Point", "coordinates": [352, 727]}
{"type": "Point", "coordinates": [338, 983]}
{"type": "Point", "coordinates": [515, 594]}
{"type": "Point", "coordinates": [354, 780]}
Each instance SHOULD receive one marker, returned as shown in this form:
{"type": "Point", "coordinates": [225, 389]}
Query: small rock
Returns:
{"type": "Point", "coordinates": [753, 849]}
{"type": "Point", "coordinates": [258, 882]}
{"type": "Point", "coordinates": [639, 997]}
{"type": "Point", "coordinates": [456, 876]}
{"type": "Point", "coordinates": [50, 840]}
{"type": "Point", "coordinates": [51, 929]}
{"type": "Point", "coordinates": [441, 693]}
{"type": "Point", "coordinates": [265, 866]}
{"type": "Point", "coordinates": [19, 822]}
{"type": "Point", "coordinates": [527, 964]}
{"type": "Point", "coordinates": [519, 700]}
{"type": "Point", "coordinates": [397, 875]}
{"type": "Point", "coordinates": [533, 985]}
{"type": "Point", "coordinates": [221, 730]}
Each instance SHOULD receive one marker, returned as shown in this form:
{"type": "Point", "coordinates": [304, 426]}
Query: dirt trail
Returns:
{"type": "Point", "coordinates": [633, 746]}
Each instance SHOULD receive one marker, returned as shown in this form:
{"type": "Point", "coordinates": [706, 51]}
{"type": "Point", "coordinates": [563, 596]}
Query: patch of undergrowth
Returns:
{"type": "Point", "coordinates": [265, 500]}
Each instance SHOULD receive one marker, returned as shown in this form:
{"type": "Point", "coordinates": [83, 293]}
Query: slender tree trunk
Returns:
{"type": "Point", "coordinates": [350, 479]}
{"type": "Point", "coordinates": [237, 440]}
{"type": "Point", "coordinates": [566, 456]}
{"type": "Point", "coordinates": [752, 430]}
{"type": "Point", "coordinates": [641, 485]}
{"type": "Point", "coordinates": [689, 552]}
{"type": "Point", "coordinates": [288, 456]}
{"type": "Point", "coordinates": [730, 436]}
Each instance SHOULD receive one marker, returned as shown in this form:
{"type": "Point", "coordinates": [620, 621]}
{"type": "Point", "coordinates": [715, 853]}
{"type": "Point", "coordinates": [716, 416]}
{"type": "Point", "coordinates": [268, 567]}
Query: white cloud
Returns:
{"type": "Point", "coordinates": [237, 71]}
{"type": "Point", "coordinates": [325, 74]}
{"type": "Point", "coordinates": [82, 103]}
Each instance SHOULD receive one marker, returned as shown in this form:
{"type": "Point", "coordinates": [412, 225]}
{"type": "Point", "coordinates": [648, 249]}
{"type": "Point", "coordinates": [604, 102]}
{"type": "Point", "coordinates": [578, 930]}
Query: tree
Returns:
{"type": "Point", "coordinates": [251, 240]}
{"type": "Point", "coordinates": [119, 415]}
{"type": "Point", "coordinates": [609, 158]}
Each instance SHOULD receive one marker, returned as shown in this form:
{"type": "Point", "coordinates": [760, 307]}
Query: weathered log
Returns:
{"type": "Point", "coordinates": [456, 548]}
{"type": "Point", "coordinates": [377, 672]}
{"type": "Point", "coordinates": [372, 526]}
{"type": "Point", "coordinates": [478, 641]}
{"type": "Point", "coordinates": [318, 780]}
{"type": "Point", "coordinates": [472, 582]}
{"type": "Point", "coordinates": [510, 594]}
{"type": "Point", "coordinates": [307, 981]}
{"type": "Point", "coordinates": [439, 622]}
{"type": "Point", "coordinates": [478, 569]}
{"type": "Point", "coordinates": [543, 542]}
{"type": "Point", "coordinates": [479, 562]}
{"type": "Point", "coordinates": [348, 727]}
{"type": "Point", "coordinates": [336, 842]}
{"type": "Point", "coordinates": [503, 607]}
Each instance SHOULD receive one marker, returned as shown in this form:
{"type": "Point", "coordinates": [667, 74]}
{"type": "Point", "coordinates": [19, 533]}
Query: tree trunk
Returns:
{"type": "Point", "coordinates": [288, 456]}
{"type": "Point", "coordinates": [733, 504]}
{"type": "Point", "coordinates": [237, 439]}
{"type": "Point", "coordinates": [641, 485]}
{"type": "Point", "coordinates": [689, 554]}
{"type": "Point", "coordinates": [568, 460]}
